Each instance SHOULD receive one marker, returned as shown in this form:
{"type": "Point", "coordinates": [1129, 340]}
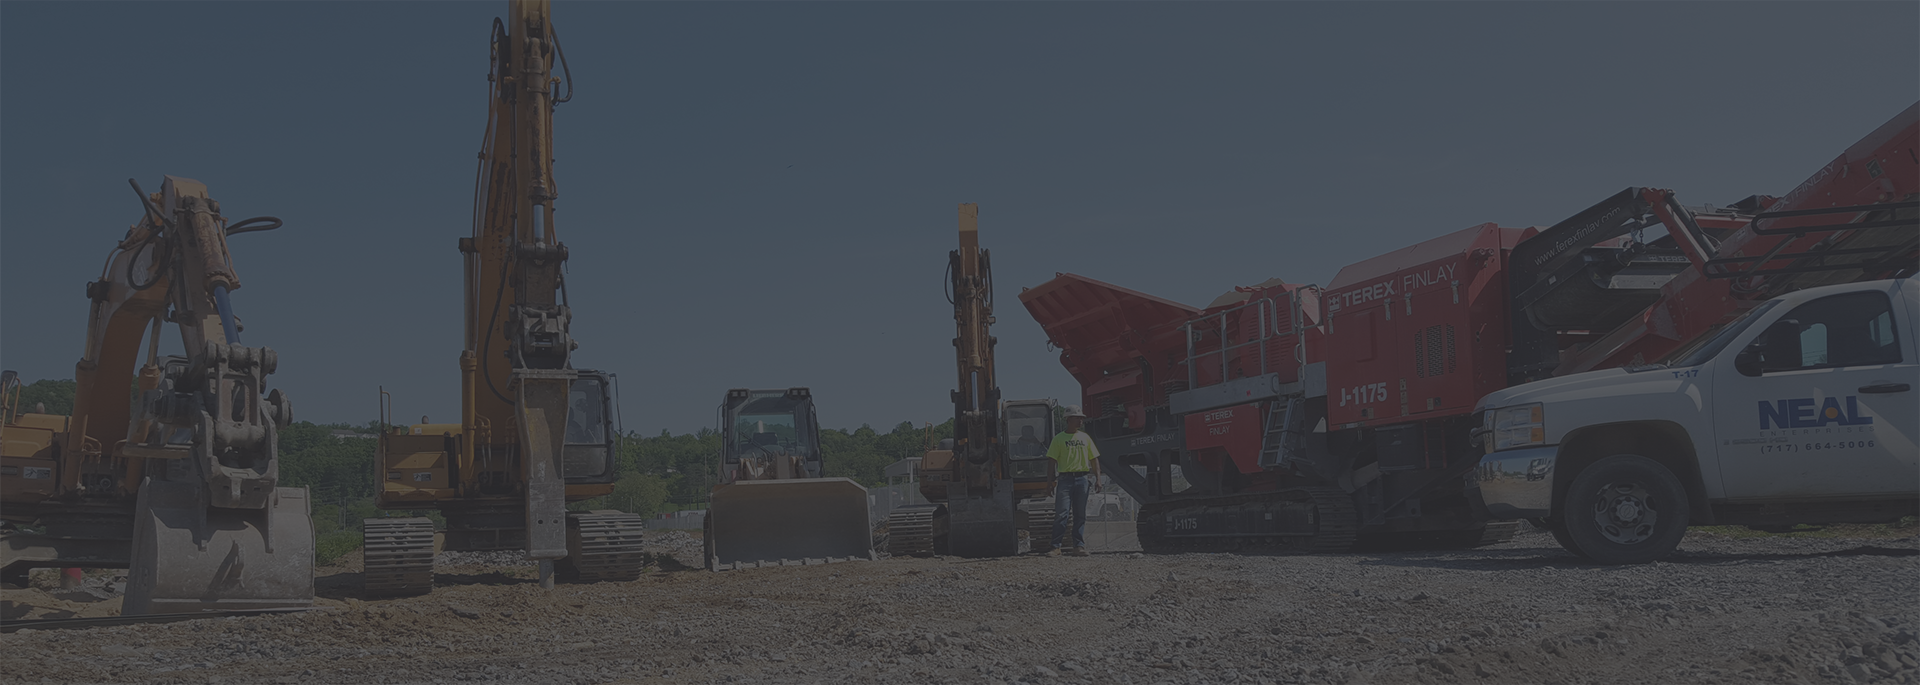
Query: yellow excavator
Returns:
{"type": "Point", "coordinates": [773, 505]}
{"type": "Point", "coordinates": [998, 454]}
{"type": "Point", "coordinates": [179, 484]}
{"type": "Point", "coordinates": [534, 432]}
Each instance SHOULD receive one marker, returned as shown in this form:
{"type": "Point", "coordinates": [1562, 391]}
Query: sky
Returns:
{"type": "Point", "coordinates": [763, 195]}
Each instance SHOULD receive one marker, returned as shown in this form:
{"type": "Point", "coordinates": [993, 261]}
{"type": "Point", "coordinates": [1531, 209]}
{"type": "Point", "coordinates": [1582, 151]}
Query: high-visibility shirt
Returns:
{"type": "Point", "coordinates": [1072, 452]}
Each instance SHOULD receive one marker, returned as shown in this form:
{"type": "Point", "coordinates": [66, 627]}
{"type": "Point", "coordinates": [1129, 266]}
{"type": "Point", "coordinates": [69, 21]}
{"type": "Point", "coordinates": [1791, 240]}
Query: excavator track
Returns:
{"type": "Point", "coordinates": [399, 556]}
{"type": "Point", "coordinates": [1040, 528]}
{"type": "Point", "coordinates": [604, 546]}
{"type": "Point", "coordinates": [910, 531]}
{"type": "Point", "coordinates": [1332, 527]}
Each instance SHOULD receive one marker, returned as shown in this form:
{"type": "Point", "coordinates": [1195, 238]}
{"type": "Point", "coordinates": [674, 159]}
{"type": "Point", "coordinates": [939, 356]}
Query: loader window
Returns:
{"type": "Point", "coordinates": [755, 433]}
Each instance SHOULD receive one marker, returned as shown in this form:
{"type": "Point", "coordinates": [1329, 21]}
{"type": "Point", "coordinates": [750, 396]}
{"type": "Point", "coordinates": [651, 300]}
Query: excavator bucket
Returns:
{"type": "Point", "coordinates": [981, 527]}
{"type": "Point", "coordinates": [785, 522]}
{"type": "Point", "coordinates": [189, 557]}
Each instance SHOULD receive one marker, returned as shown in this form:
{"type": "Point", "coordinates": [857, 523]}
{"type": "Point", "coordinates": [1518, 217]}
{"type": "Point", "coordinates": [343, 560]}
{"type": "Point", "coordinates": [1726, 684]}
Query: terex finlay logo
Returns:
{"type": "Point", "coordinates": [1803, 413]}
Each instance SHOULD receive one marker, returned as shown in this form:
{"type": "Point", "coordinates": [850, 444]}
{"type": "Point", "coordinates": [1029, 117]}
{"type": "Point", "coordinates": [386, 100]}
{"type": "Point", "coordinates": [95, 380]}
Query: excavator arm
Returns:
{"type": "Point", "coordinates": [534, 432]}
{"type": "Point", "coordinates": [191, 466]}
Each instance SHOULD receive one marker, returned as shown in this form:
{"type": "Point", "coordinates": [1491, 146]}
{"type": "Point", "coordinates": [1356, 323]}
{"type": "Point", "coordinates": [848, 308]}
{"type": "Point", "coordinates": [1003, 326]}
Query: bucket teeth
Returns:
{"type": "Point", "coordinates": [399, 556]}
{"type": "Point", "coordinates": [604, 547]}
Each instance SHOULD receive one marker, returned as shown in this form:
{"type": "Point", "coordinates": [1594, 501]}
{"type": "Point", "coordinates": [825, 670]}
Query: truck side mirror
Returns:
{"type": "Point", "coordinates": [1749, 361]}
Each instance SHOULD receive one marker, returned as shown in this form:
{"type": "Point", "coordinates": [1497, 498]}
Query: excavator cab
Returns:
{"type": "Point", "coordinates": [1029, 430]}
{"type": "Point", "coordinates": [772, 506]}
{"type": "Point", "coordinates": [588, 452]}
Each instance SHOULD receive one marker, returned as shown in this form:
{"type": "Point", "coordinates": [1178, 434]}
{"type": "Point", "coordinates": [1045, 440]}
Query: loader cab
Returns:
{"type": "Point", "coordinates": [588, 453]}
{"type": "Point", "coordinates": [765, 423]}
{"type": "Point", "coordinates": [1029, 429]}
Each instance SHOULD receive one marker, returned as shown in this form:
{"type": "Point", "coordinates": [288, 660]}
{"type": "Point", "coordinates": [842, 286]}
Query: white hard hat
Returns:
{"type": "Point", "coordinates": [1073, 410]}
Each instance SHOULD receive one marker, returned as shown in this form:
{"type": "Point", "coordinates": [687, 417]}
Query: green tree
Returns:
{"type": "Point", "coordinates": [57, 395]}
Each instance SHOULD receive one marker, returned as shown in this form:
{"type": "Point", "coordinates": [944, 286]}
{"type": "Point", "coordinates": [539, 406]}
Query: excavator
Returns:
{"type": "Point", "coordinates": [998, 456]}
{"type": "Point", "coordinates": [534, 432]}
{"type": "Point", "coordinates": [179, 483]}
{"type": "Point", "coordinates": [773, 507]}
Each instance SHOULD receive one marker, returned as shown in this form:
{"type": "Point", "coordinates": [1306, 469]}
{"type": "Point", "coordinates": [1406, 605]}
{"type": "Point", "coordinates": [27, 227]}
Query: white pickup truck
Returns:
{"type": "Point", "coordinates": [1803, 410]}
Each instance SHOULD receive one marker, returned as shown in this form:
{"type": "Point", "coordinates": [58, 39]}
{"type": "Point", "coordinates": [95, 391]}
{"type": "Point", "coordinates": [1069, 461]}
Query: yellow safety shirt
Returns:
{"type": "Point", "coordinates": [1072, 452]}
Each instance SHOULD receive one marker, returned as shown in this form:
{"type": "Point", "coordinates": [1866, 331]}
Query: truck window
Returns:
{"type": "Point", "coordinates": [1708, 346]}
{"type": "Point", "coordinates": [1855, 329]}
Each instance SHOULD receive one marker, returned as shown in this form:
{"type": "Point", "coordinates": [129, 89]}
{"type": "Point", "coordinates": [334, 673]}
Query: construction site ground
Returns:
{"type": "Point", "coordinates": [1726, 609]}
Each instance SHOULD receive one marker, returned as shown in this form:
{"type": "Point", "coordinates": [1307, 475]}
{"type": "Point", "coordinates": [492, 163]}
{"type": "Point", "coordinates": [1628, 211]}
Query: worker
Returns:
{"type": "Point", "coordinates": [1028, 444]}
{"type": "Point", "coordinates": [1074, 458]}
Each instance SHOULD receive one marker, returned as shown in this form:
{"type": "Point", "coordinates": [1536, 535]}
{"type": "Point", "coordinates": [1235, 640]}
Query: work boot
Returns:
{"type": "Point", "coordinates": [1078, 551]}
{"type": "Point", "coordinates": [1053, 552]}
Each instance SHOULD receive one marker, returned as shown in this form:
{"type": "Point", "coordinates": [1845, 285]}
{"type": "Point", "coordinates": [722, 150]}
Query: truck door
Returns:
{"type": "Point", "coordinates": [1821, 402]}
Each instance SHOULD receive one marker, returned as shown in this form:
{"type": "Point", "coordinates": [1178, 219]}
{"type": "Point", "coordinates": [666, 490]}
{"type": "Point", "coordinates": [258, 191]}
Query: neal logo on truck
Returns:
{"type": "Point", "coordinates": [1803, 413]}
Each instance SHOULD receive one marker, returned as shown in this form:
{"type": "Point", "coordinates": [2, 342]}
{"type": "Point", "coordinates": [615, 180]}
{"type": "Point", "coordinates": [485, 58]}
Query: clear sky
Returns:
{"type": "Point", "coordinates": [763, 195]}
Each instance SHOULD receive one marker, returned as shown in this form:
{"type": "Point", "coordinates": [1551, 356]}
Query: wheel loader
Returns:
{"type": "Point", "coordinates": [179, 484]}
{"type": "Point", "coordinates": [534, 432]}
{"type": "Point", "coordinates": [998, 456]}
{"type": "Point", "coordinates": [773, 507]}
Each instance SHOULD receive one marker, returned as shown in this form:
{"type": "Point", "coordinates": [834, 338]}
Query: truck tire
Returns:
{"type": "Point", "coordinates": [1624, 509]}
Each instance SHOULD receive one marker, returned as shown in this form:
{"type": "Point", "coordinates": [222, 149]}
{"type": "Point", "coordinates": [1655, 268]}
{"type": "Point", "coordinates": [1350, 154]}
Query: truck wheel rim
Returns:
{"type": "Point", "coordinates": [1625, 513]}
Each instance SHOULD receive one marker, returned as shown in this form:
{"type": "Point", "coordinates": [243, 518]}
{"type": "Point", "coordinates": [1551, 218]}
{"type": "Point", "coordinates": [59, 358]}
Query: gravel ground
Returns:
{"type": "Point", "coordinates": [1725, 610]}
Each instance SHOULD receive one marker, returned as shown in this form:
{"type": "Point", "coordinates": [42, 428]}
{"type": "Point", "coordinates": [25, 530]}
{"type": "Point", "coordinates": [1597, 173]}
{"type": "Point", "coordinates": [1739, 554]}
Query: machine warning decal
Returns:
{"type": "Point", "coordinates": [37, 472]}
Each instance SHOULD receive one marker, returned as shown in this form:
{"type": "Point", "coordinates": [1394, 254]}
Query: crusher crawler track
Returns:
{"type": "Point", "coordinates": [399, 556]}
{"type": "Point", "coordinates": [1493, 533]}
{"type": "Point", "coordinates": [910, 531]}
{"type": "Point", "coordinates": [603, 545]}
{"type": "Point", "coordinates": [1310, 520]}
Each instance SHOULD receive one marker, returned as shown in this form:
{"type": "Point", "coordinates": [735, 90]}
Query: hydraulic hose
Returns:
{"type": "Point", "coordinates": [227, 321]}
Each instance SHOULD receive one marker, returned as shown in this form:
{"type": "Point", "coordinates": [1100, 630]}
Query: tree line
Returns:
{"type": "Point", "coordinates": [654, 474]}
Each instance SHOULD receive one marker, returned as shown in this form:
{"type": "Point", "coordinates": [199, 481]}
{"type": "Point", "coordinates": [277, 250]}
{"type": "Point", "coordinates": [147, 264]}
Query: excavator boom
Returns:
{"type": "Point", "coordinates": [979, 481]}
{"type": "Point", "coordinates": [534, 432]}
{"type": "Point", "coordinates": [181, 487]}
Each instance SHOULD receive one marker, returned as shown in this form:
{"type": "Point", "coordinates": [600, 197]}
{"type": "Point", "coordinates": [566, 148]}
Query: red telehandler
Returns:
{"type": "Point", "coordinates": [1295, 418]}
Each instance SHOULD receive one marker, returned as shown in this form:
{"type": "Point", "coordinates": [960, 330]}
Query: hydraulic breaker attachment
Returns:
{"type": "Point", "coordinates": [784, 522]}
{"type": "Point", "coordinates": [542, 413]}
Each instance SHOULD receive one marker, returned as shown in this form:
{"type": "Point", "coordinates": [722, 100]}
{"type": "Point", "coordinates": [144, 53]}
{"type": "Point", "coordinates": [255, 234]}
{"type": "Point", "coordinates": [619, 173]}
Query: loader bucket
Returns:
{"type": "Point", "coordinates": [190, 557]}
{"type": "Point", "coordinates": [785, 522]}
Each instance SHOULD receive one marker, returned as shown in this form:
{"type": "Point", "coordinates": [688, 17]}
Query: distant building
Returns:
{"type": "Point", "coordinates": [347, 434]}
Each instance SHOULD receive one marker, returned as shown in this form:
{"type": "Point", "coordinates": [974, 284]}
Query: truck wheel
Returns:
{"type": "Point", "coordinates": [1624, 509]}
{"type": "Point", "coordinates": [1559, 530]}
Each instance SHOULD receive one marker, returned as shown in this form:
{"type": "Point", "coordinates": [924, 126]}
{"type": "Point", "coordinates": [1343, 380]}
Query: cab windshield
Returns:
{"type": "Point", "coordinates": [586, 413]}
{"type": "Point", "coordinates": [1701, 352]}
{"type": "Point", "coordinates": [768, 425]}
{"type": "Point", "coordinates": [1027, 432]}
